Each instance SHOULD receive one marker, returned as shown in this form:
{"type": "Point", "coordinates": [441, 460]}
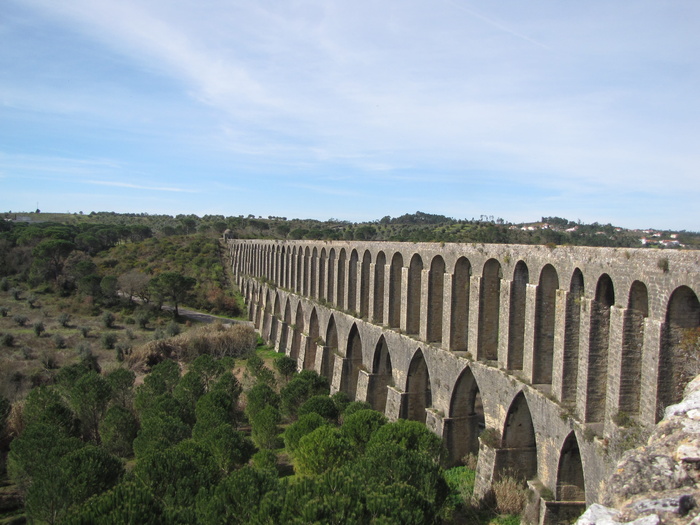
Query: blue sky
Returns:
{"type": "Point", "coordinates": [354, 110]}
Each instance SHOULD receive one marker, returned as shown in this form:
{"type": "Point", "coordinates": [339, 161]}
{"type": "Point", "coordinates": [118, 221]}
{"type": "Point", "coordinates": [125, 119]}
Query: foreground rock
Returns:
{"type": "Point", "coordinates": [660, 482]}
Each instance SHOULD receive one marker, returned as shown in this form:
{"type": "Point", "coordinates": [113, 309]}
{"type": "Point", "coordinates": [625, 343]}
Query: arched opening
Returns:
{"type": "Point", "coordinates": [353, 363]}
{"type": "Point", "coordinates": [571, 485]}
{"type": "Point", "coordinates": [322, 270]}
{"type": "Point", "coordinates": [286, 327]}
{"type": "Point", "coordinates": [259, 309]}
{"type": "Point", "coordinates": [310, 354]}
{"type": "Point", "coordinates": [340, 300]}
{"type": "Point", "coordinates": [520, 458]}
{"type": "Point", "coordinates": [489, 311]}
{"type": "Point", "coordinates": [307, 268]}
{"type": "Point", "coordinates": [459, 325]}
{"type": "Point", "coordinates": [332, 344]}
{"type": "Point", "coordinates": [395, 290]}
{"type": "Point", "coordinates": [680, 348]}
{"type": "Point", "coordinates": [364, 284]}
{"type": "Point", "coordinates": [545, 315]}
{"type": "Point", "coordinates": [267, 315]}
{"type": "Point", "coordinates": [632, 347]}
{"type": "Point", "coordinates": [300, 271]}
{"type": "Point", "coordinates": [597, 383]}
{"type": "Point", "coordinates": [352, 281]}
{"type": "Point", "coordinates": [379, 288]}
{"type": "Point", "coordinates": [275, 322]}
{"type": "Point", "coordinates": [314, 272]}
{"type": "Point", "coordinates": [382, 372]}
{"type": "Point", "coordinates": [466, 419]}
{"type": "Point", "coordinates": [418, 394]}
{"type": "Point", "coordinates": [516, 316]}
{"type": "Point", "coordinates": [414, 295]}
{"type": "Point", "coordinates": [298, 331]}
{"type": "Point", "coordinates": [572, 337]}
{"type": "Point", "coordinates": [284, 266]}
{"type": "Point", "coordinates": [331, 276]}
{"type": "Point", "coordinates": [436, 291]}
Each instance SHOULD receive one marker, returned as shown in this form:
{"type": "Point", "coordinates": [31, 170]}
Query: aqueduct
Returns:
{"type": "Point", "coordinates": [537, 359]}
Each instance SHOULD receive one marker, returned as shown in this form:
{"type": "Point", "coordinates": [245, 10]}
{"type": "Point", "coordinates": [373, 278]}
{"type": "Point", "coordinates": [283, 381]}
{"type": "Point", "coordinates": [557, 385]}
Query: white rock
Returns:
{"type": "Point", "coordinates": [599, 515]}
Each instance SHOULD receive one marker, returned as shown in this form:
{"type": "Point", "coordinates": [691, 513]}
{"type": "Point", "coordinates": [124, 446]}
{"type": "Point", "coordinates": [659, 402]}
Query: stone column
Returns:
{"type": "Point", "coordinates": [583, 352]}
{"type": "Point", "coordinates": [447, 312]}
{"type": "Point", "coordinates": [394, 403]}
{"type": "Point", "coordinates": [363, 385]}
{"type": "Point", "coordinates": [346, 285]}
{"type": "Point", "coordinates": [504, 324]}
{"type": "Point", "coordinates": [484, 470]}
{"type": "Point", "coordinates": [559, 339]}
{"type": "Point", "coordinates": [339, 366]}
{"type": "Point", "coordinates": [323, 365]}
{"type": "Point", "coordinates": [387, 294]}
{"type": "Point", "coordinates": [403, 324]}
{"type": "Point", "coordinates": [424, 304]}
{"type": "Point", "coordinates": [371, 292]}
{"type": "Point", "coordinates": [529, 332]}
{"type": "Point", "coordinates": [474, 307]}
{"type": "Point", "coordinates": [612, 390]}
{"type": "Point", "coordinates": [653, 330]}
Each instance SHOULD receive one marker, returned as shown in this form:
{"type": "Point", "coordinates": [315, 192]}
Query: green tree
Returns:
{"type": "Point", "coordinates": [174, 287]}
{"type": "Point", "coordinates": [301, 427]}
{"type": "Point", "coordinates": [305, 385]}
{"type": "Point", "coordinates": [323, 449]}
{"type": "Point", "coordinates": [118, 430]}
{"type": "Point", "coordinates": [258, 397]}
{"type": "Point", "coordinates": [359, 427]}
{"type": "Point", "coordinates": [89, 397]}
{"type": "Point", "coordinates": [159, 433]}
{"type": "Point", "coordinates": [228, 447]}
{"type": "Point", "coordinates": [265, 427]}
{"type": "Point", "coordinates": [121, 381]}
{"type": "Point", "coordinates": [321, 405]}
{"type": "Point", "coordinates": [51, 254]}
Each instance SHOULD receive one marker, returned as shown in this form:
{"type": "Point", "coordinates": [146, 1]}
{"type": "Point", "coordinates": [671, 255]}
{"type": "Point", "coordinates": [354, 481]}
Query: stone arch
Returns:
{"type": "Point", "coordinates": [466, 418]}
{"type": "Point", "coordinates": [314, 273]}
{"type": "Point", "coordinates": [678, 359]}
{"type": "Point", "coordinates": [436, 293]}
{"type": "Point", "coordinates": [379, 267]}
{"type": "Point", "coordinates": [571, 484]}
{"type": "Point", "coordinates": [312, 342]}
{"type": "Point", "coordinates": [516, 316]}
{"type": "Point", "coordinates": [322, 271]}
{"type": "Point", "coordinates": [489, 310]}
{"type": "Point", "coordinates": [459, 323]}
{"type": "Point", "coordinates": [413, 299]}
{"type": "Point", "coordinates": [340, 298]}
{"type": "Point", "coordinates": [352, 281]}
{"type": "Point", "coordinates": [572, 336]}
{"type": "Point", "coordinates": [382, 376]}
{"type": "Point", "coordinates": [352, 363]}
{"type": "Point", "coordinates": [298, 332]}
{"type": "Point", "coordinates": [395, 290]}
{"type": "Point", "coordinates": [519, 440]}
{"type": "Point", "coordinates": [267, 315]}
{"type": "Point", "coordinates": [331, 275]}
{"type": "Point", "coordinates": [632, 349]}
{"type": "Point", "coordinates": [259, 309]}
{"type": "Point", "coordinates": [418, 390]}
{"type": "Point", "coordinates": [284, 267]}
{"type": "Point", "coordinates": [545, 317]}
{"type": "Point", "coordinates": [597, 382]}
{"type": "Point", "coordinates": [364, 284]}
{"type": "Point", "coordinates": [332, 347]}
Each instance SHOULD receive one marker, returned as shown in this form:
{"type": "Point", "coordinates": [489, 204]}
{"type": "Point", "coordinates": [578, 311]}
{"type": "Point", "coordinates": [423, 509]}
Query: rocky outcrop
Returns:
{"type": "Point", "coordinates": [660, 482]}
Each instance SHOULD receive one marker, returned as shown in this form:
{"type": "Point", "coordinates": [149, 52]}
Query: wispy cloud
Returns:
{"type": "Point", "coordinates": [139, 186]}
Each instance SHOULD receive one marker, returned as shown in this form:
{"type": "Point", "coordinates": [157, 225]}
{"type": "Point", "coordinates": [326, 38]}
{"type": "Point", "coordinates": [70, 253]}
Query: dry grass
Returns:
{"type": "Point", "coordinates": [510, 496]}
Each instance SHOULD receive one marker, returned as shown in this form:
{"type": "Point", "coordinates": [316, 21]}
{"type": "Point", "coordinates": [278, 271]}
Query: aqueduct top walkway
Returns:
{"type": "Point", "coordinates": [545, 346]}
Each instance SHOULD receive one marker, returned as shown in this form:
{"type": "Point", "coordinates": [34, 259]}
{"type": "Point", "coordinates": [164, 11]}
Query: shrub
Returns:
{"type": "Point", "coordinates": [85, 331]}
{"type": "Point", "coordinates": [7, 339]}
{"type": "Point", "coordinates": [172, 329]}
{"type": "Point", "coordinates": [59, 341]}
{"type": "Point", "coordinates": [4, 310]}
{"type": "Point", "coordinates": [21, 320]}
{"type": "Point", "coordinates": [142, 319]}
{"type": "Point", "coordinates": [108, 319]}
{"type": "Point", "coordinates": [16, 293]}
{"type": "Point", "coordinates": [510, 495]}
{"type": "Point", "coordinates": [49, 361]}
{"type": "Point", "coordinates": [108, 341]}
{"type": "Point", "coordinates": [63, 319]}
{"type": "Point", "coordinates": [39, 328]}
{"type": "Point", "coordinates": [321, 405]}
{"type": "Point", "coordinates": [4, 284]}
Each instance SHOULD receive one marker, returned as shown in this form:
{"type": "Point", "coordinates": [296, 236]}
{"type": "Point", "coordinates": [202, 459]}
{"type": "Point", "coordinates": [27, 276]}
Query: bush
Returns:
{"type": "Point", "coordinates": [172, 329]}
{"type": "Point", "coordinates": [321, 405]}
{"type": "Point", "coordinates": [510, 495]}
{"type": "Point", "coordinates": [39, 328]}
{"type": "Point", "coordinates": [4, 284]}
{"type": "Point", "coordinates": [59, 341]}
{"type": "Point", "coordinates": [108, 319]}
{"type": "Point", "coordinates": [4, 310]}
{"type": "Point", "coordinates": [142, 319]}
{"type": "Point", "coordinates": [21, 320]}
{"type": "Point", "coordinates": [63, 319]}
{"type": "Point", "coordinates": [108, 341]}
{"type": "Point", "coordinates": [16, 293]}
{"type": "Point", "coordinates": [7, 339]}
{"type": "Point", "coordinates": [85, 331]}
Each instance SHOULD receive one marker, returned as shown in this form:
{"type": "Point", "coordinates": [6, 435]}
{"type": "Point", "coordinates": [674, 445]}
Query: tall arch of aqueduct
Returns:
{"type": "Point", "coordinates": [547, 348]}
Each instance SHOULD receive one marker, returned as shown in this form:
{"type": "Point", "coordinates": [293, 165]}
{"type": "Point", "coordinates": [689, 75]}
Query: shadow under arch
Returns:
{"type": "Point", "coordinates": [381, 378]}
{"type": "Point", "coordinates": [518, 454]}
{"type": "Point", "coordinates": [418, 391]}
{"type": "Point", "coordinates": [466, 418]}
{"type": "Point", "coordinates": [352, 363]}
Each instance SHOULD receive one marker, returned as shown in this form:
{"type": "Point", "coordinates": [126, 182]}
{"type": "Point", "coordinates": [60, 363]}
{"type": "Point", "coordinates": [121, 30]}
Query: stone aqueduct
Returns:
{"type": "Point", "coordinates": [549, 349]}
